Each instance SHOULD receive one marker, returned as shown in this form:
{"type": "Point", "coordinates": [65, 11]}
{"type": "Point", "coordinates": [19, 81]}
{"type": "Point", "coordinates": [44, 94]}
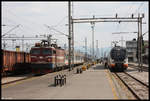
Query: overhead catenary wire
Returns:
{"type": "Point", "coordinates": [11, 30]}
{"type": "Point", "coordinates": [119, 24]}
{"type": "Point", "coordinates": [60, 33]}
{"type": "Point", "coordinates": [20, 19]}
{"type": "Point", "coordinates": [56, 30]}
{"type": "Point", "coordinates": [58, 24]}
{"type": "Point", "coordinates": [136, 11]}
{"type": "Point", "coordinates": [28, 27]}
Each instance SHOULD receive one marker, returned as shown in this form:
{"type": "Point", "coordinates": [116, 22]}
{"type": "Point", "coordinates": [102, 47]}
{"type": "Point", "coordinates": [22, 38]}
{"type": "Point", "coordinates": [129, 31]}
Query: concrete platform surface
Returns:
{"type": "Point", "coordinates": [6, 80]}
{"type": "Point", "coordinates": [93, 83]}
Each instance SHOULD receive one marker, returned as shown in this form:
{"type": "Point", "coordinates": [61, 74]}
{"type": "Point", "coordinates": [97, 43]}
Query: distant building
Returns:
{"type": "Point", "coordinates": [145, 54]}
{"type": "Point", "coordinates": [132, 48]}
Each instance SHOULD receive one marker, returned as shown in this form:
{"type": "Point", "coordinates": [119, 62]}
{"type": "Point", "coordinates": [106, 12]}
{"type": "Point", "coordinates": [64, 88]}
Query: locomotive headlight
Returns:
{"type": "Point", "coordinates": [125, 65]}
{"type": "Point", "coordinates": [48, 59]}
{"type": "Point", "coordinates": [112, 61]}
{"type": "Point", "coordinates": [112, 65]}
{"type": "Point", "coordinates": [41, 57]}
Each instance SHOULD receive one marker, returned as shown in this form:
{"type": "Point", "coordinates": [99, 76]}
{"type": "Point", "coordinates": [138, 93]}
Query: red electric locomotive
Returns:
{"type": "Point", "coordinates": [46, 57]}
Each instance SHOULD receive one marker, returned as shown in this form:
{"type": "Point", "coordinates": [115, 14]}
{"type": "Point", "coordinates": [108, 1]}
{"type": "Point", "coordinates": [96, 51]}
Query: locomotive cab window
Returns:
{"type": "Point", "coordinates": [35, 51]}
{"type": "Point", "coordinates": [46, 51]}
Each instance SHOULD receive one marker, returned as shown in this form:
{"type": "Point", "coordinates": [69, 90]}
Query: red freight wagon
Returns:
{"type": "Point", "coordinates": [14, 61]}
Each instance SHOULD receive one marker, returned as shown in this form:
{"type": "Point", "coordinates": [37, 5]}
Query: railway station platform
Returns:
{"type": "Point", "coordinates": [10, 79]}
{"type": "Point", "coordinates": [94, 83]}
{"type": "Point", "coordinates": [91, 84]}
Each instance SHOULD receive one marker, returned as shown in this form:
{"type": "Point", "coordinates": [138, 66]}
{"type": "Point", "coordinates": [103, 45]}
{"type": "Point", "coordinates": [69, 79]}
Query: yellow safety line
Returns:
{"type": "Point", "coordinates": [112, 86]}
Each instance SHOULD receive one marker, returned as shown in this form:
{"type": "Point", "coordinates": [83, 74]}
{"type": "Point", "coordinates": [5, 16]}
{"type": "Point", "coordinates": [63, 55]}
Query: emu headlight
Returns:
{"type": "Point", "coordinates": [112, 61]}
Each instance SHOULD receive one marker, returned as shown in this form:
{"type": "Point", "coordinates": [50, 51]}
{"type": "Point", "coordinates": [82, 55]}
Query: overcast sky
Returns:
{"type": "Point", "coordinates": [33, 15]}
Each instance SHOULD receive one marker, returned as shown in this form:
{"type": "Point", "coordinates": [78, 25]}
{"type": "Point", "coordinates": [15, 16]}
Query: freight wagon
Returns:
{"type": "Point", "coordinates": [15, 62]}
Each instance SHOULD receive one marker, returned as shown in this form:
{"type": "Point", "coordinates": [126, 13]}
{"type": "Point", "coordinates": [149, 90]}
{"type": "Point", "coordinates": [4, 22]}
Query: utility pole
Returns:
{"type": "Point", "coordinates": [92, 26]}
{"type": "Point", "coordinates": [27, 47]}
{"type": "Point", "coordinates": [90, 50]}
{"type": "Point", "coordinates": [97, 48]}
{"type": "Point", "coordinates": [22, 43]}
{"type": "Point", "coordinates": [4, 45]}
{"type": "Point", "coordinates": [72, 32]}
{"type": "Point", "coordinates": [85, 49]}
{"type": "Point", "coordinates": [13, 40]}
{"type": "Point", "coordinates": [69, 37]}
{"type": "Point", "coordinates": [140, 42]}
{"type": "Point", "coordinates": [49, 39]}
{"type": "Point", "coordinates": [101, 52]}
{"type": "Point", "coordinates": [72, 43]}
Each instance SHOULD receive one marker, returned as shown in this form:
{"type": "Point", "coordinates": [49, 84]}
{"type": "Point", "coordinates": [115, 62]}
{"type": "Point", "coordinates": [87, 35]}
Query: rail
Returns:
{"type": "Point", "coordinates": [144, 68]}
{"type": "Point", "coordinates": [136, 87]}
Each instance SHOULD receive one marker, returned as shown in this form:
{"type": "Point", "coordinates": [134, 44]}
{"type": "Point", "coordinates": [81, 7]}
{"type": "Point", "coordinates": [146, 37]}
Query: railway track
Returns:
{"type": "Point", "coordinates": [144, 68]}
{"type": "Point", "coordinates": [139, 89]}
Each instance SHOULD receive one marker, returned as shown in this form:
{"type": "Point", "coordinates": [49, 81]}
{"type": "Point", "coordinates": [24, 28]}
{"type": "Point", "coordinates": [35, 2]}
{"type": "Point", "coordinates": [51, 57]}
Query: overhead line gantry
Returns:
{"type": "Point", "coordinates": [132, 19]}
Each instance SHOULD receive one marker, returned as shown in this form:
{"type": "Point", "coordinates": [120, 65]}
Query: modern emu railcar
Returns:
{"type": "Point", "coordinates": [117, 59]}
